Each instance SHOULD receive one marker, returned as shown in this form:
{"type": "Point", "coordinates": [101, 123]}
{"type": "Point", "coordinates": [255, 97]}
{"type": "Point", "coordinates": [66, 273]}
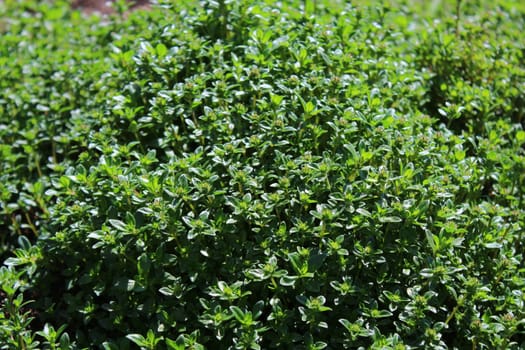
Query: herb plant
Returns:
{"type": "Point", "coordinates": [259, 175]}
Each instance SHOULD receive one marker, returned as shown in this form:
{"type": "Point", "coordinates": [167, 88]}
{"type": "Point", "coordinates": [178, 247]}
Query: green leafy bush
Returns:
{"type": "Point", "coordinates": [252, 175]}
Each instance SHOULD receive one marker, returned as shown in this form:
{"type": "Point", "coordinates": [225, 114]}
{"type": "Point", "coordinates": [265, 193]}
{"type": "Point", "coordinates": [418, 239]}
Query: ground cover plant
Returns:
{"type": "Point", "coordinates": [260, 175]}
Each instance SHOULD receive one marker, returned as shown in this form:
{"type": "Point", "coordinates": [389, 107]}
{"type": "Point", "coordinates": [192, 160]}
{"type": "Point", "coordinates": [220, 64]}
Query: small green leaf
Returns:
{"type": "Point", "coordinates": [309, 107]}
{"type": "Point", "coordinates": [459, 155]}
{"type": "Point", "coordinates": [161, 50]}
{"type": "Point", "coordinates": [380, 313]}
{"type": "Point", "coordinates": [118, 224]}
{"type": "Point", "coordinates": [391, 219]}
{"type": "Point", "coordinates": [493, 156]}
{"type": "Point", "coordinates": [520, 136]}
{"type": "Point", "coordinates": [175, 344]}
{"type": "Point", "coordinates": [138, 339]}
{"type": "Point", "coordinates": [493, 245]}
{"type": "Point", "coordinates": [363, 212]}
{"type": "Point", "coordinates": [110, 346]}
{"type": "Point", "coordinates": [287, 281]}
{"type": "Point", "coordinates": [237, 313]}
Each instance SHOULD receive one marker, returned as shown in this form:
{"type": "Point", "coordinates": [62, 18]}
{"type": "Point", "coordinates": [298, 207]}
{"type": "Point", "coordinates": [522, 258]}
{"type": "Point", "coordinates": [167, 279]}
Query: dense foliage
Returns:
{"type": "Point", "coordinates": [250, 175]}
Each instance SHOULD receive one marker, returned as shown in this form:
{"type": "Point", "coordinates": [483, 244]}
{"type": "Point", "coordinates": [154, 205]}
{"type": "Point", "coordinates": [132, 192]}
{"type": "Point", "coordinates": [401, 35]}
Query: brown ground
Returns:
{"type": "Point", "coordinates": [104, 6]}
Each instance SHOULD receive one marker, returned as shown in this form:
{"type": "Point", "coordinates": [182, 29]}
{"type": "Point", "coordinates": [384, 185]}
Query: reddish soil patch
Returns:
{"type": "Point", "coordinates": [104, 6]}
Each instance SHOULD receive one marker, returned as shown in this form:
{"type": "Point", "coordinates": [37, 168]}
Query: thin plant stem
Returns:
{"type": "Point", "coordinates": [458, 16]}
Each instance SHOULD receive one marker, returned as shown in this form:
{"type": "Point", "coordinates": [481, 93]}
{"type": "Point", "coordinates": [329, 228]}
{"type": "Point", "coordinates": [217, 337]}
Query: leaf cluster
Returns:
{"type": "Point", "coordinates": [251, 175]}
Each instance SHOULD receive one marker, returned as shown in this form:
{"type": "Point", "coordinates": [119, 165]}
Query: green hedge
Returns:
{"type": "Point", "coordinates": [250, 175]}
